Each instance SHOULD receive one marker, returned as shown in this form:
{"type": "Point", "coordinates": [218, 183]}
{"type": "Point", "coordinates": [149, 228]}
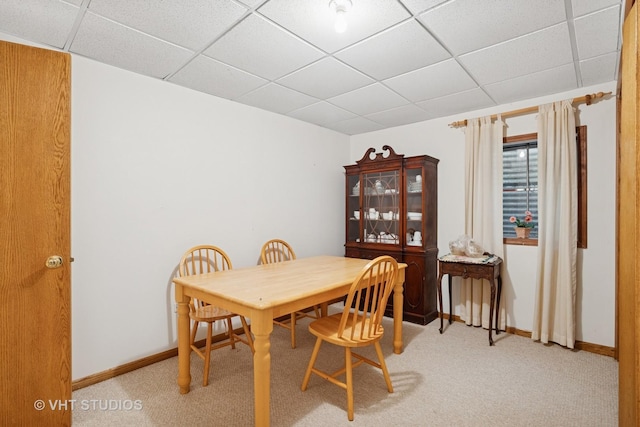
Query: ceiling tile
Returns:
{"type": "Point", "coordinates": [599, 69]}
{"type": "Point", "coordinates": [535, 52]}
{"type": "Point", "coordinates": [252, 3]}
{"type": "Point", "coordinates": [313, 20]}
{"type": "Point", "coordinates": [277, 98]}
{"type": "Point", "coordinates": [591, 40]}
{"type": "Point", "coordinates": [115, 44]}
{"type": "Point", "coordinates": [355, 126]}
{"type": "Point", "coordinates": [325, 79]}
{"type": "Point", "coordinates": [460, 102]}
{"type": "Point", "coordinates": [259, 47]}
{"type": "Point", "coordinates": [210, 76]}
{"type": "Point", "coordinates": [467, 25]}
{"type": "Point", "coordinates": [582, 7]}
{"type": "Point", "coordinates": [408, 45]}
{"type": "Point", "coordinates": [42, 21]}
{"type": "Point", "coordinates": [192, 27]}
{"type": "Point", "coordinates": [321, 113]}
{"type": "Point", "coordinates": [546, 82]}
{"type": "Point", "coordinates": [369, 99]}
{"type": "Point", "coordinates": [418, 85]}
{"type": "Point", "coordinates": [400, 116]}
{"type": "Point", "coordinates": [417, 6]}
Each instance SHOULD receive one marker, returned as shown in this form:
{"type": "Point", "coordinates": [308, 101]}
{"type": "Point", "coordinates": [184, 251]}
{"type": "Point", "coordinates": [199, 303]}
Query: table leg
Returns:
{"type": "Point", "coordinates": [398, 301]}
{"type": "Point", "coordinates": [439, 289]}
{"type": "Point", "coordinates": [324, 309]}
{"type": "Point", "coordinates": [491, 309]}
{"type": "Point", "coordinates": [498, 303]}
{"type": "Point", "coordinates": [261, 326]}
{"type": "Point", "coordinates": [184, 347]}
{"type": "Point", "coordinates": [450, 302]}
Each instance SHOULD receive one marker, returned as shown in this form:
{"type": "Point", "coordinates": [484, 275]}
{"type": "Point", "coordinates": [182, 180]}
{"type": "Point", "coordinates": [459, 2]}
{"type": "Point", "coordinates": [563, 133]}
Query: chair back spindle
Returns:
{"type": "Point", "coordinates": [367, 299]}
{"type": "Point", "coordinates": [203, 259]}
{"type": "Point", "coordinates": [276, 250]}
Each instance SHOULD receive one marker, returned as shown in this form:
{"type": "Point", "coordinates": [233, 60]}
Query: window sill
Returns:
{"type": "Point", "coordinates": [520, 242]}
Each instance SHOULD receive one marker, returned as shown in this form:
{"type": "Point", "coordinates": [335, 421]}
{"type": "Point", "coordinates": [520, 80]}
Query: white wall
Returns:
{"type": "Point", "coordinates": [156, 169]}
{"type": "Point", "coordinates": [595, 298]}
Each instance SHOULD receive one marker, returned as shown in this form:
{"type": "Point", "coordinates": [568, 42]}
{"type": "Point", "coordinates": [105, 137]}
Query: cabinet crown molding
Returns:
{"type": "Point", "coordinates": [369, 156]}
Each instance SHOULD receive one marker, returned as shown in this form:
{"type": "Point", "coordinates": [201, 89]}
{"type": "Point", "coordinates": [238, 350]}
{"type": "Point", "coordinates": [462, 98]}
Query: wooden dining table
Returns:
{"type": "Point", "coordinates": [264, 292]}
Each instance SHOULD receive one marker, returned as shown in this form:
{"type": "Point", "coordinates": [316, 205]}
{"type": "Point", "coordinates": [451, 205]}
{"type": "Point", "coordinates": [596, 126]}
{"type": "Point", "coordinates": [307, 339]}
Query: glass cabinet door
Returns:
{"type": "Point", "coordinates": [414, 209]}
{"type": "Point", "coordinates": [381, 207]}
{"type": "Point", "coordinates": [353, 208]}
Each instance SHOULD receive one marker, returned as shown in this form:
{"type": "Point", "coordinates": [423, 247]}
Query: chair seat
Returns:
{"type": "Point", "coordinates": [327, 329]}
{"type": "Point", "coordinates": [210, 313]}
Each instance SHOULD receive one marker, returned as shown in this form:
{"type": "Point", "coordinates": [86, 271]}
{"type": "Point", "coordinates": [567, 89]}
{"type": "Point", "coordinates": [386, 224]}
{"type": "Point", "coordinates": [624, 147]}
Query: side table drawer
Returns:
{"type": "Point", "coordinates": [475, 271]}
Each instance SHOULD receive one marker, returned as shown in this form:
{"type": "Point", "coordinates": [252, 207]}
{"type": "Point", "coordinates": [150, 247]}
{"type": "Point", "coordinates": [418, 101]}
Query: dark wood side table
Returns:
{"type": "Point", "coordinates": [454, 266]}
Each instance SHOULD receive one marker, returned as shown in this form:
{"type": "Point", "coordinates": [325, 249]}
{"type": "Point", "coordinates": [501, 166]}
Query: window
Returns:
{"type": "Point", "coordinates": [520, 185]}
{"type": "Point", "coordinates": [519, 182]}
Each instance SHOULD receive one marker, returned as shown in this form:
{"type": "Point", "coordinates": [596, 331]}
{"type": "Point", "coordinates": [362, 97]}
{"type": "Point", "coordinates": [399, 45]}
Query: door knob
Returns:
{"type": "Point", "coordinates": [54, 261]}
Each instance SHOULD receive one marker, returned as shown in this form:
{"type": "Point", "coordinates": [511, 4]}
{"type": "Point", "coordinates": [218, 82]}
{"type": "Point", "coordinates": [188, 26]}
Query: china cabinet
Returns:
{"type": "Point", "coordinates": [391, 209]}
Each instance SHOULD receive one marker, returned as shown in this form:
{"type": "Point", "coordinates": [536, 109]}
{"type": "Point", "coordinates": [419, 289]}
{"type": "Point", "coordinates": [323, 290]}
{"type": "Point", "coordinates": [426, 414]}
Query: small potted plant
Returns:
{"type": "Point", "coordinates": [523, 226]}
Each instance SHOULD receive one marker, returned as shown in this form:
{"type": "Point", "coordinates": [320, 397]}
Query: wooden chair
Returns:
{"type": "Point", "coordinates": [206, 259]}
{"type": "Point", "coordinates": [277, 250]}
{"type": "Point", "coordinates": [358, 328]}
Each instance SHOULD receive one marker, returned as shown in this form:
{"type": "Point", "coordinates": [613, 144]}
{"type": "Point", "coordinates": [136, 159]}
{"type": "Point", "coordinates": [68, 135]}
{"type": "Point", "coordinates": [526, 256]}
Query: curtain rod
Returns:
{"type": "Point", "coordinates": [588, 99]}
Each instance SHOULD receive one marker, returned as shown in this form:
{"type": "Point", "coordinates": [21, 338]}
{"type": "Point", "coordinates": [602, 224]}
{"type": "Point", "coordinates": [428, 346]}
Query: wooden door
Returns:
{"type": "Point", "coordinates": [628, 267]}
{"type": "Point", "coordinates": [35, 310]}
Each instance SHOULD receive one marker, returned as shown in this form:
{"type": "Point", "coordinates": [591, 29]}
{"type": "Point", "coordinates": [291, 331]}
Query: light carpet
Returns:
{"type": "Point", "coordinates": [439, 380]}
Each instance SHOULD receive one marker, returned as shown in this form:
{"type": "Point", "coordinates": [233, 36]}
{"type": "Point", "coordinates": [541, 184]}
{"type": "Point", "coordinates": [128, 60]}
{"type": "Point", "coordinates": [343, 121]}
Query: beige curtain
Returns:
{"type": "Point", "coordinates": [554, 314]}
{"type": "Point", "coordinates": [483, 212]}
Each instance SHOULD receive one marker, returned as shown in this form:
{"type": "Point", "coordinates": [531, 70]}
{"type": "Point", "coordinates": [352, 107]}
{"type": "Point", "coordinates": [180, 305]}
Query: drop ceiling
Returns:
{"type": "Point", "coordinates": [398, 62]}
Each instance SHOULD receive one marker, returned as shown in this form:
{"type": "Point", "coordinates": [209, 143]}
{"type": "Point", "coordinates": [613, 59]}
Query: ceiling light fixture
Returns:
{"type": "Point", "coordinates": [340, 7]}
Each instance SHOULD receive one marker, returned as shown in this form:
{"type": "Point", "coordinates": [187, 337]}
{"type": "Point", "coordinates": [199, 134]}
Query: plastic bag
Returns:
{"type": "Point", "coordinates": [466, 246]}
{"type": "Point", "coordinates": [458, 246]}
{"type": "Point", "coordinates": [473, 249]}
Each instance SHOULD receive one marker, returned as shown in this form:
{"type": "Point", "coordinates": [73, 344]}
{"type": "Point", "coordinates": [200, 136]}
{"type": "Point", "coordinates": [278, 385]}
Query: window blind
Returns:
{"type": "Point", "coordinates": [520, 184]}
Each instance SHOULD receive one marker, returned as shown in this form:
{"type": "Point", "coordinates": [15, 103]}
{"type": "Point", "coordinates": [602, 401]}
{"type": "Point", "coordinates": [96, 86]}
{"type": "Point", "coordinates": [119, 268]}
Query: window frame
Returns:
{"type": "Point", "coordinates": [581, 145]}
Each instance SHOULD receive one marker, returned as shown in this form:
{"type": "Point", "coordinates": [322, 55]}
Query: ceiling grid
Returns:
{"type": "Point", "coordinates": [398, 62]}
